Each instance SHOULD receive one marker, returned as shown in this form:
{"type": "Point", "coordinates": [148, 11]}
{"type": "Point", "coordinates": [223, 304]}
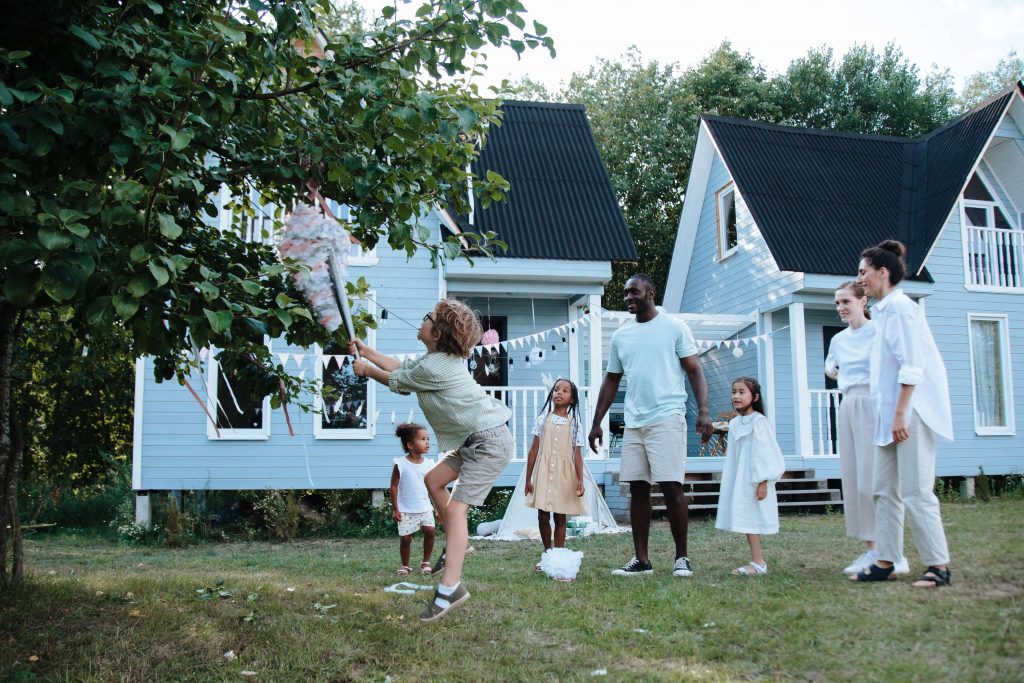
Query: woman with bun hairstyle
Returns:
{"type": "Point", "coordinates": [910, 396]}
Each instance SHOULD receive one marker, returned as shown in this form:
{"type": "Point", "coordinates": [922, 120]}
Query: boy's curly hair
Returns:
{"type": "Point", "coordinates": [458, 327]}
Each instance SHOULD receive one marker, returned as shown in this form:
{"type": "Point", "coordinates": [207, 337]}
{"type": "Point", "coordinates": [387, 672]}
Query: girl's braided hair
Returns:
{"type": "Point", "coordinates": [574, 405]}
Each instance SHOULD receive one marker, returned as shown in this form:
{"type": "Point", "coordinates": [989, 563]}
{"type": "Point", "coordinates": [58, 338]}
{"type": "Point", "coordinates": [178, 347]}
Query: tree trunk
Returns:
{"type": "Point", "coordinates": [11, 552]}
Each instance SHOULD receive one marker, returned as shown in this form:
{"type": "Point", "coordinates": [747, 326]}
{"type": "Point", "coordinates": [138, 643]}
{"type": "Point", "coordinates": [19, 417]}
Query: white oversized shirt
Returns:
{"type": "Point", "coordinates": [904, 352]}
{"type": "Point", "coordinates": [412, 492]}
{"type": "Point", "coordinates": [849, 356]}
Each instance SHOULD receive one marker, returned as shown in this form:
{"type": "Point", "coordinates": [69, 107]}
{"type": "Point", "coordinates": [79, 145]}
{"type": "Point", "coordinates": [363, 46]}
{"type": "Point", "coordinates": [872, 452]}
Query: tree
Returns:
{"type": "Point", "coordinates": [121, 119]}
{"type": "Point", "coordinates": [644, 117]}
{"type": "Point", "coordinates": [865, 92]}
{"type": "Point", "coordinates": [984, 84]}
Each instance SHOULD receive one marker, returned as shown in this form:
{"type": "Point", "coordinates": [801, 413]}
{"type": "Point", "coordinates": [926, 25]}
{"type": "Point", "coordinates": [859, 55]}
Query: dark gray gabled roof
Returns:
{"type": "Point", "coordinates": [561, 204]}
{"type": "Point", "coordinates": [821, 197]}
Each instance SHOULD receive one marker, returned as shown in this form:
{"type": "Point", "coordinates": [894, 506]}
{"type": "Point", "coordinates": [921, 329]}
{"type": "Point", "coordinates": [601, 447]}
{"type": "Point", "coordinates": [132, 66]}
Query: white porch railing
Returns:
{"type": "Point", "coordinates": [824, 412]}
{"type": "Point", "coordinates": [525, 403]}
{"type": "Point", "coordinates": [995, 257]}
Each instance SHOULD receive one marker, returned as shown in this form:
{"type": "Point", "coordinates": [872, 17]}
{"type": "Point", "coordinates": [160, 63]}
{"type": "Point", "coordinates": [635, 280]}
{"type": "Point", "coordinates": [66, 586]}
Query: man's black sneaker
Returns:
{"type": "Point", "coordinates": [634, 568]}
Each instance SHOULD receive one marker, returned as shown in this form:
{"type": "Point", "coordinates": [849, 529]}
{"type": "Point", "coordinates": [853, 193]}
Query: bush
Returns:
{"type": "Point", "coordinates": [982, 487]}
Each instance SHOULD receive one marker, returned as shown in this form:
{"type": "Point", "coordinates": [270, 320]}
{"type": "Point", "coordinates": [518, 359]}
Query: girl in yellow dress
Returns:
{"type": "Point", "coordinates": [554, 466]}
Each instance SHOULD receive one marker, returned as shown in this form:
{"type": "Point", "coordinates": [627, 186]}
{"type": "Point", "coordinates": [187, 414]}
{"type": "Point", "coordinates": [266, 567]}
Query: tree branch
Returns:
{"type": "Point", "coordinates": [281, 93]}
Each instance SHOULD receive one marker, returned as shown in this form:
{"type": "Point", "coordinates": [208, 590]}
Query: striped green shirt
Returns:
{"type": "Point", "coordinates": [453, 403]}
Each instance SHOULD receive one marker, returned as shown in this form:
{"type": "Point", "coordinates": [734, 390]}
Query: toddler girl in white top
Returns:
{"type": "Point", "coordinates": [412, 507]}
{"type": "Point", "coordinates": [747, 503]}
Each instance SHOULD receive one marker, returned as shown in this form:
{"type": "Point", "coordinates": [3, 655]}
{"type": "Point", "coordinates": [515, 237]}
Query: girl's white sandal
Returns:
{"type": "Point", "coordinates": [751, 569]}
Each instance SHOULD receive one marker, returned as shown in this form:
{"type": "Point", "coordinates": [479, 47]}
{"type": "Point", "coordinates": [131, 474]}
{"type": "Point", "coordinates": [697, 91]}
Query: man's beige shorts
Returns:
{"type": "Point", "coordinates": [479, 461]}
{"type": "Point", "coordinates": [655, 452]}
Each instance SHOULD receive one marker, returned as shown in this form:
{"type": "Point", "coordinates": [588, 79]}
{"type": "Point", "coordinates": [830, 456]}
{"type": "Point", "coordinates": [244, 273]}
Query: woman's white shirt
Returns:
{"type": "Point", "coordinates": [904, 352]}
{"type": "Point", "coordinates": [849, 356]}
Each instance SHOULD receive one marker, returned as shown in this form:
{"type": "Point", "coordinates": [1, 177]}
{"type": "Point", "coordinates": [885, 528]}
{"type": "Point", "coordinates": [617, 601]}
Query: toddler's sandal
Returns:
{"type": "Point", "coordinates": [403, 571]}
{"type": "Point", "coordinates": [874, 573]}
{"type": "Point", "coordinates": [425, 567]}
{"type": "Point", "coordinates": [934, 577]}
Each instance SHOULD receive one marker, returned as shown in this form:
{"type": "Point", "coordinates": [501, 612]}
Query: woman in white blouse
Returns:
{"type": "Point", "coordinates": [849, 362]}
{"type": "Point", "coordinates": [910, 396]}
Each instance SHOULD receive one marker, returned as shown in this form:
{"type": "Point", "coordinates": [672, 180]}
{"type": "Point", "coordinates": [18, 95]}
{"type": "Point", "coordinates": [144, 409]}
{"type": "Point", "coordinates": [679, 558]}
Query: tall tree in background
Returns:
{"type": "Point", "coordinates": [644, 116]}
{"type": "Point", "coordinates": [864, 92]}
{"type": "Point", "coordinates": [120, 119]}
{"type": "Point", "coordinates": [984, 84]}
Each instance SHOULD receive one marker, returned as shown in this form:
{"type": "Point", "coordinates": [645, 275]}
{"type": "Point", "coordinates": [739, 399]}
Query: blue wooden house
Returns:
{"type": "Point", "coordinates": [775, 218]}
{"type": "Point", "coordinates": [540, 300]}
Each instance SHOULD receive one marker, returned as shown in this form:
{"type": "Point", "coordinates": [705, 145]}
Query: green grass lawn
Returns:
{"type": "Point", "coordinates": [93, 610]}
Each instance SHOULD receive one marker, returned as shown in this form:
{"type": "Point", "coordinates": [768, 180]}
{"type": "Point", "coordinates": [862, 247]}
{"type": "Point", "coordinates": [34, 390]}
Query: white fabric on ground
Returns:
{"type": "Point", "coordinates": [520, 521]}
{"type": "Point", "coordinates": [561, 563]}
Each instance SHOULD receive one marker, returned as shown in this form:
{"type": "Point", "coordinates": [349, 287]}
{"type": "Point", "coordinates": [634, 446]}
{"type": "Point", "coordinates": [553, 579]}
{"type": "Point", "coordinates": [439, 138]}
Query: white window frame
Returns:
{"type": "Point", "coordinates": [229, 433]}
{"type": "Point", "coordinates": [990, 210]}
{"type": "Point", "coordinates": [728, 190]}
{"type": "Point", "coordinates": [1003, 322]}
{"type": "Point", "coordinates": [368, 432]}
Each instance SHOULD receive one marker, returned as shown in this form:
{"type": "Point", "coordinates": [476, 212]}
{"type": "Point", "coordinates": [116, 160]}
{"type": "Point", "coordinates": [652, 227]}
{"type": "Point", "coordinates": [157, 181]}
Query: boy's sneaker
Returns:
{"type": "Point", "coordinates": [438, 565]}
{"type": "Point", "coordinates": [682, 567]}
{"type": "Point", "coordinates": [434, 611]}
{"type": "Point", "coordinates": [634, 568]}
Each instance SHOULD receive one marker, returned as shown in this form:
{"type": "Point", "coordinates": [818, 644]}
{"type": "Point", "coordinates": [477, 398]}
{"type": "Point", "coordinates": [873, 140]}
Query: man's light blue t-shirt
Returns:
{"type": "Point", "coordinates": [648, 354]}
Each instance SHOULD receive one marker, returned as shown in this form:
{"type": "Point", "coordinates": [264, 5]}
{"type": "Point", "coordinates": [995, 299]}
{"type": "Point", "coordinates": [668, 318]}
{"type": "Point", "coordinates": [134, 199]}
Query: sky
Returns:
{"type": "Point", "coordinates": [963, 36]}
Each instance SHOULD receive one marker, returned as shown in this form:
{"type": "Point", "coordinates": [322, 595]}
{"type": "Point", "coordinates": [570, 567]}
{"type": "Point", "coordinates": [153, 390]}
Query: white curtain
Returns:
{"type": "Point", "coordinates": [988, 373]}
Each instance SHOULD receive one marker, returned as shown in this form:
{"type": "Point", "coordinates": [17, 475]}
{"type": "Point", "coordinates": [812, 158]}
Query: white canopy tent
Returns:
{"type": "Point", "coordinates": [520, 521]}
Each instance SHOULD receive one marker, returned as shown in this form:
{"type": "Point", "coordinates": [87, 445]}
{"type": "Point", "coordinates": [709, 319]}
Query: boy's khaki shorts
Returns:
{"type": "Point", "coordinates": [655, 452]}
{"type": "Point", "coordinates": [479, 461]}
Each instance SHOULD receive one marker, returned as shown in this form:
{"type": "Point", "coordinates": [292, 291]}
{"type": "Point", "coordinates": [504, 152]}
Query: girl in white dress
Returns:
{"type": "Point", "coordinates": [747, 503]}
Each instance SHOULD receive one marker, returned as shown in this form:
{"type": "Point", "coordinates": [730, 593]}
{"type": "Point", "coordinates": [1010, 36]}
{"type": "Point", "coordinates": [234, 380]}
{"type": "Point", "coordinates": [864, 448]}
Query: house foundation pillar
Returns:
{"type": "Point", "coordinates": [143, 510]}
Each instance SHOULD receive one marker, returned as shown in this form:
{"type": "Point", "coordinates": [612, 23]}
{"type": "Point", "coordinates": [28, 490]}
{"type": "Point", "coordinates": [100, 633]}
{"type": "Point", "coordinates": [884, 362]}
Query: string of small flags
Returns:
{"type": "Point", "coordinates": [537, 342]}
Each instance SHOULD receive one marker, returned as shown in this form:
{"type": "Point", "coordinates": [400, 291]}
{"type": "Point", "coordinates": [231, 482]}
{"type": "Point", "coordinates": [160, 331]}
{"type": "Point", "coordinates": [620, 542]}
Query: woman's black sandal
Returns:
{"type": "Point", "coordinates": [875, 573]}
{"type": "Point", "coordinates": [937, 577]}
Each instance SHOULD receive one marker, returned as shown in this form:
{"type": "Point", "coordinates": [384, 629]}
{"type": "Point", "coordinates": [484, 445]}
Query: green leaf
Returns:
{"type": "Point", "coordinates": [284, 317]}
{"type": "Point", "coordinates": [77, 229]}
{"type": "Point", "coordinates": [60, 281]}
{"type": "Point", "coordinates": [301, 312]}
{"type": "Point", "coordinates": [179, 138]}
{"type": "Point", "coordinates": [539, 29]}
{"type": "Point", "coordinates": [210, 292]}
{"type": "Point", "coordinates": [87, 38]}
{"type": "Point", "coordinates": [467, 118]}
{"type": "Point", "coordinates": [125, 306]}
{"type": "Point", "coordinates": [140, 286]}
{"type": "Point", "coordinates": [251, 287]}
{"type": "Point", "coordinates": [52, 238]}
{"type": "Point", "coordinates": [139, 254]}
{"type": "Point", "coordinates": [22, 284]}
{"type": "Point", "coordinates": [220, 321]}
{"type": "Point", "coordinates": [233, 35]}
{"type": "Point", "coordinates": [159, 274]}
{"type": "Point", "coordinates": [168, 227]}
{"type": "Point", "coordinates": [129, 191]}
{"type": "Point", "coordinates": [50, 120]}
{"type": "Point", "coordinates": [18, 251]}
{"type": "Point", "coordinates": [283, 300]}
{"type": "Point", "coordinates": [100, 313]}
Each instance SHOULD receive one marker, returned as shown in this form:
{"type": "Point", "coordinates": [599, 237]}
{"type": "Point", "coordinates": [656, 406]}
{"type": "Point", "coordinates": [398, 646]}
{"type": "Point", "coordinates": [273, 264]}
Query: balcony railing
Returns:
{"type": "Point", "coordinates": [995, 257]}
{"type": "Point", "coordinates": [824, 412]}
{"type": "Point", "coordinates": [526, 403]}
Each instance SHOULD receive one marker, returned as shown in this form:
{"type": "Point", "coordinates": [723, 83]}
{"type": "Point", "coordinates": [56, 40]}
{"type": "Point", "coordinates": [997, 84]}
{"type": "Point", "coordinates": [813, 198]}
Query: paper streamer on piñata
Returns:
{"type": "Point", "coordinates": [315, 239]}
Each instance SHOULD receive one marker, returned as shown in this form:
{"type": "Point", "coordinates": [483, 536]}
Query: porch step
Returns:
{"type": "Point", "coordinates": [796, 489]}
